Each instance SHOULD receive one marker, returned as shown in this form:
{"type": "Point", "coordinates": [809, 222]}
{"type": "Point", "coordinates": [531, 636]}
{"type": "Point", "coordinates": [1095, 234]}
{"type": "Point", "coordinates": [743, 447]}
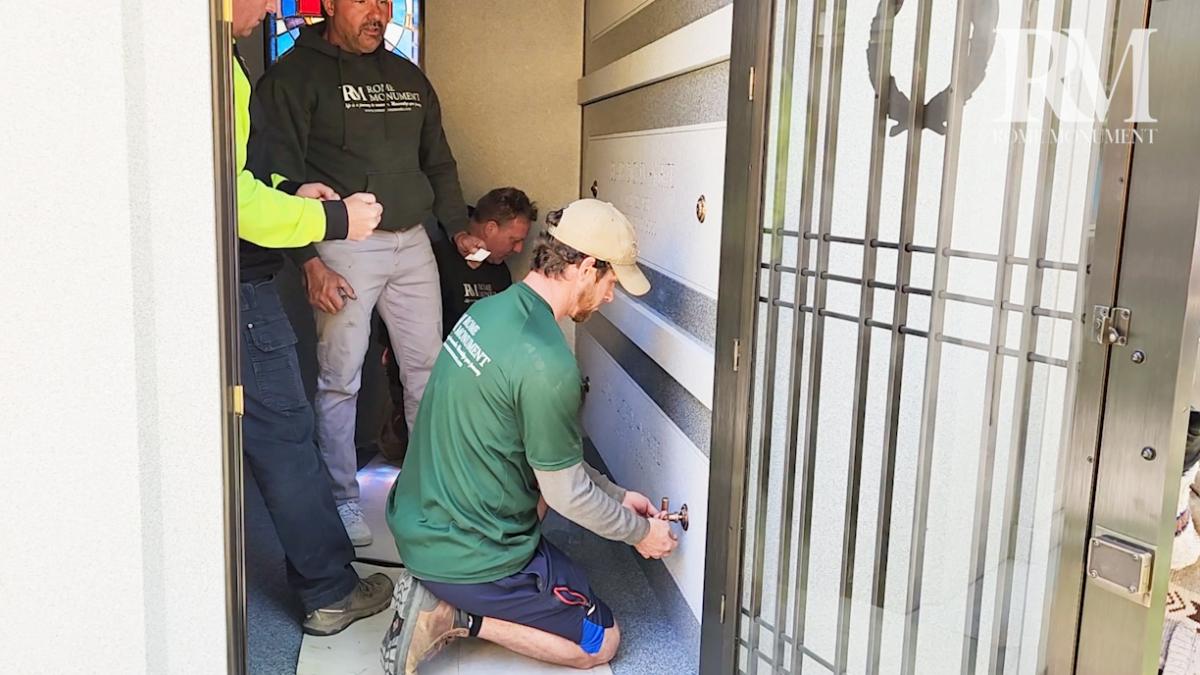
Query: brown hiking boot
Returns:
{"type": "Point", "coordinates": [369, 597]}
{"type": "Point", "coordinates": [434, 629]}
{"type": "Point", "coordinates": [421, 627]}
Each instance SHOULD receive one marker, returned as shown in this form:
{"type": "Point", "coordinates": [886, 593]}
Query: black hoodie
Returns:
{"type": "Point", "coordinates": [358, 123]}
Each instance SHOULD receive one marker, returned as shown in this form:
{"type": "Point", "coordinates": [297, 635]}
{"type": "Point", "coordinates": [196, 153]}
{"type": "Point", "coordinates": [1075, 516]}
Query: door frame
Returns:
{"type": "Point", "coordinates": [745, 165]}
{"type": "Point", "coordinates": [1078, 464]}
{"type": "Point", "coordinates": [1146, 402]}
{"type": "Point", "coordinates": [225, 231]}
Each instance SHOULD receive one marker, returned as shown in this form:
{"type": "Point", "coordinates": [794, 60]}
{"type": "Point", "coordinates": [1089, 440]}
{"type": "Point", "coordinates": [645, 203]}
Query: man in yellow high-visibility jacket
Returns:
{"type": "Point", "coordinates": [278, 426]}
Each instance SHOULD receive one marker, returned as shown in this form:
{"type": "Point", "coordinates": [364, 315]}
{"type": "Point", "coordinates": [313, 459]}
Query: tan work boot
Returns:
{"type": "Point", "coordinates": [434, 629]}
{"type": "Point", "coordinates": [421, 627]}
{"type": "Point", "coordinates": [369, 597]}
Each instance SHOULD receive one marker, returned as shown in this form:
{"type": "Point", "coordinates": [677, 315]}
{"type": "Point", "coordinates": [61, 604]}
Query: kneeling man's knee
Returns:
{"type": "Point", "coordinates": [601, 637]}
{"type": "Point", "coordinates": [608, 649]}
{"type": "Point", "coordinates": [612, 640]}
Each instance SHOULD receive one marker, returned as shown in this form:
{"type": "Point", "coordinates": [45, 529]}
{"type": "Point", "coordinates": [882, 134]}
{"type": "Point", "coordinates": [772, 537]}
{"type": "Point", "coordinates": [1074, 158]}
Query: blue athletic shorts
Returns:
{"type": "Point", "coordinates": [551, 593]}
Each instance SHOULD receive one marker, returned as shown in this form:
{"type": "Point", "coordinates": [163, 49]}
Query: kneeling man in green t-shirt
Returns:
{"type": "Point", "coordinates": [496, 440]}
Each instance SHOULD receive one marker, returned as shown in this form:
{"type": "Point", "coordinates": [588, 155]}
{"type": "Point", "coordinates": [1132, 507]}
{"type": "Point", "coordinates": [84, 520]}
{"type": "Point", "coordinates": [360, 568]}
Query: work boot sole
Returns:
{"type": "Point", "coordinates": [410, 604]}
{"type": "Point", "coordinates": [390, 651]}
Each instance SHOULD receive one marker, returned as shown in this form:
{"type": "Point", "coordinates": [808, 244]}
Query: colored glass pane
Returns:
{"type": "Point", "coordinates": [402, 35]}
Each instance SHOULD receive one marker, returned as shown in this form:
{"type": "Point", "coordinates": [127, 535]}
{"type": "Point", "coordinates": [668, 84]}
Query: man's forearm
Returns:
{"type": "Point", "coordinates": [449, 206]}
{"type": "Point", "coordinates": [577, 498]}
{"type": "Point", "coordinates": [610, 488]}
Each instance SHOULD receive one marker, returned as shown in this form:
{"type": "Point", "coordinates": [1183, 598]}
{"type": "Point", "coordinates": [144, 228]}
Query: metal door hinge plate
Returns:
{"type": "Point", "coordinates": [239, 400]}
{"type": "Point", "coordinates": [737, 354]}
{"type": "Point", "coordinates": [1121, 565]}
{"type": "Point", "coordinates": [1110, 325]}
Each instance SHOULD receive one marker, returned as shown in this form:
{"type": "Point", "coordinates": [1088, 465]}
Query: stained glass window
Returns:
{"type": "Point", "coordinates": [402, 35]}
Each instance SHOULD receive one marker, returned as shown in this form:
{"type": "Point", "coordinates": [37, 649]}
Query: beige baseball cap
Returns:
{"type": "Point", "coordinates": [601, 231]}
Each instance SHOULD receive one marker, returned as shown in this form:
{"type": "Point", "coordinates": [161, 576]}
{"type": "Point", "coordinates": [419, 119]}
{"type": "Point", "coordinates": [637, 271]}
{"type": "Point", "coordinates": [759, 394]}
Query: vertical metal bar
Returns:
{"type": "Point", "coordinates": [883, 70]}
{"type": "Point", "coordinates": [995, 371]}
{"type": "Point", "coordinates": [764, 452]}
{"type": "Point", "coordinates": [916, 119]}
{"type": "Point", "coordinates": [766, 377]}
{"type": "Point", "coordinates": [808, 186]}
{"type": "Point", "coordinates": [833, 103]}
{"type": "Point", "coordinates": [1048, 153]}
{"type": "Point", "coordinates": [900, 304]}
{"type": "Point", "coordinates": [800, 288]}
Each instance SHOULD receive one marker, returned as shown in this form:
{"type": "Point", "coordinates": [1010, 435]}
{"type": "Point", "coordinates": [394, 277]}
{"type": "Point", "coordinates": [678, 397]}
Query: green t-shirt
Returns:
{"type": "Point", "coordinates": [503, 399]}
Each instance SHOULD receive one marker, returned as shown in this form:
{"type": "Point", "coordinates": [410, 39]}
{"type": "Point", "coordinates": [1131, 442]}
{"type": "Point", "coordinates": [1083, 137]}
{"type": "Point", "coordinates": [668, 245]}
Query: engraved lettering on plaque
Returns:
{"type": "Point", "coordinates": [655, 177]}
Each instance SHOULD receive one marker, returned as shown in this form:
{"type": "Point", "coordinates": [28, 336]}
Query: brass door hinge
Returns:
{"type": "Point", "coordinates": [239, 400]}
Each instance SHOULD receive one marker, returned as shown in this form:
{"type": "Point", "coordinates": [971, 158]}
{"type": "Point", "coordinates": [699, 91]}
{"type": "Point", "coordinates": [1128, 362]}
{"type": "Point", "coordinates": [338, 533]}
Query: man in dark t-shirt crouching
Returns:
{"type": "Point", "coordinates": [501, 218]}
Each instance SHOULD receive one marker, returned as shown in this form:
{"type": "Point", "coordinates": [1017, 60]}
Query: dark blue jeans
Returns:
{"type": "Point", "coordinates": [281, 451]}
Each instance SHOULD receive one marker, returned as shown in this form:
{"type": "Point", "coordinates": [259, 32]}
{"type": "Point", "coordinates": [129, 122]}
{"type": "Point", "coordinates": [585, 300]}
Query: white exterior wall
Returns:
{"type": "Point", "coordinates": [110, 430]}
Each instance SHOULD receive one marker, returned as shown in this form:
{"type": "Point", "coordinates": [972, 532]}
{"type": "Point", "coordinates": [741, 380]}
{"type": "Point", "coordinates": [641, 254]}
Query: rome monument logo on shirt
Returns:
{"type": "Point", "coordinates": [379, 97]}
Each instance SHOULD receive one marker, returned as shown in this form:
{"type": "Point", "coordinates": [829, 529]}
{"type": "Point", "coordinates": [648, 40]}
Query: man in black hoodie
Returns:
{"type": "Point", "coordinates": [342, 110]}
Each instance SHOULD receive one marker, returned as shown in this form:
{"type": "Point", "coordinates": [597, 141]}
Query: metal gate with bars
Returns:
{"type": "Point", "coordinates": [916, 337]}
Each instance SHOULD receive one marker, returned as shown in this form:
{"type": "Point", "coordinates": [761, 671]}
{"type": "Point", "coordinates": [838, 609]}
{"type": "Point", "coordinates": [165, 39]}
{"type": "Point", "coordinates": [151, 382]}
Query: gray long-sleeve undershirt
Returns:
{"type": "Point", "coordinates": [587, 497]}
